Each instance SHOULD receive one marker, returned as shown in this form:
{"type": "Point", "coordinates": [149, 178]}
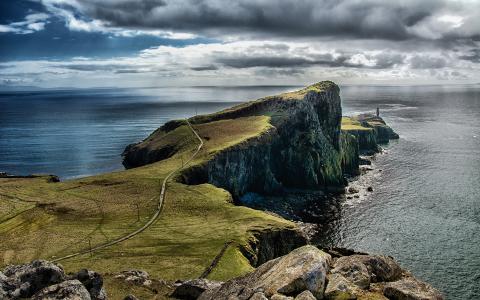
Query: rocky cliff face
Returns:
{"type": "Point", "coordinates": [304, 149]}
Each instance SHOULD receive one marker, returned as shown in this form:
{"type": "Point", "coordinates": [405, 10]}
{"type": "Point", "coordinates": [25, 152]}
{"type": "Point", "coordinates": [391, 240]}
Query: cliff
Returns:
{"type": "Point", "coordinates": [303, 146]}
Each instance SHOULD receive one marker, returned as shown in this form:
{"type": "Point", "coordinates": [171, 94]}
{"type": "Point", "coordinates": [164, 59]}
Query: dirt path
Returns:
{"type": "Point", "coordinates": [158, 211]}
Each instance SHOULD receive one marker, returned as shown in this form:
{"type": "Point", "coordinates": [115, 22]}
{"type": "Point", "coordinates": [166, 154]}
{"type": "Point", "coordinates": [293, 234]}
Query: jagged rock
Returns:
{"type": "Point", "coordinates": [258, 296]}
{"type": "Point", "coordinates": [93, 282]}
{"type": "Point", "coordinates": [339, 287]}
{"type": "Point", "coordinates": [29, 278]}
{"type": "Point", "coordinates": [67, 290]}
{"type": "Point", "coordinates": [354, 270]}
{"type": "Point", "coordinates": [305, 295]}
{"type": "Point", "coordinates": [363, 269]}
{"type": "Point", "coordinates": [411, 289]}
{"type": "Point", "coordinates": [137, 277]}
{"type": "Point", "coordinates": [130, 297]}
{"type": "Point", "coordinates": [302, 269]}
{"type": "Point", "coordinates": [6, 286]}
{"type": "Point", "coordinates": [382, 268]}
{"type": "Point", "coordinates": [192, 289]}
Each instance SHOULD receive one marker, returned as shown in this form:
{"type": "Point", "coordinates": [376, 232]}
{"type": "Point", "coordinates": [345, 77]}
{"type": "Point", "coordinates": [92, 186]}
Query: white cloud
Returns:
{"type": "Point", "coordinates": [31, 23]}
{"type": "Point", "coordinates": [248, 62]}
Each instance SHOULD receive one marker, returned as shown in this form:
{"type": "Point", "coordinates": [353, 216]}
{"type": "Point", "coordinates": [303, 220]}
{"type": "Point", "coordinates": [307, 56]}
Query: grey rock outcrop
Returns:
{"type": "Point", "coordinates": [93, 282]}
{"type": "Point", "coordinates": [303, 269]}
{"type": "Point", "coordinates": [410, 289]}
{"type": "Point", "coordinates": [27, 279]}
{"type": "Point", "coordinates": [66, 290]}
{"type": "Point", "coordinates": [42, 279]}
{"type": "Point", "coordinates": [192, 289]}
{"type": "Point", "coordinates": [137, 277]}
{"type": "Point", "coordinates": [365, 269]}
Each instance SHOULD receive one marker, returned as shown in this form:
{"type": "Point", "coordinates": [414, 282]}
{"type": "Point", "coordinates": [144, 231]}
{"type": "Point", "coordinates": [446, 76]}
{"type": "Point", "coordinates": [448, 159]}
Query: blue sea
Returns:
{"type": "Point", "coordinates": [425, 207]}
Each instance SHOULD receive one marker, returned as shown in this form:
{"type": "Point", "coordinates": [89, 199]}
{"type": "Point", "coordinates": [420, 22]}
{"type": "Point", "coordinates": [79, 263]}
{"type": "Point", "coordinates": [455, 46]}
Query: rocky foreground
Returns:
{"type": "Point", "coordinates": [306, 273]}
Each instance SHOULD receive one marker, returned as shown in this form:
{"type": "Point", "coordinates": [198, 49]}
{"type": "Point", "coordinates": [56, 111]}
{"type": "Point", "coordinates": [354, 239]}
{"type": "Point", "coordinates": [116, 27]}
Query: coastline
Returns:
{"type": "Point", "coordinates": [226, 155]}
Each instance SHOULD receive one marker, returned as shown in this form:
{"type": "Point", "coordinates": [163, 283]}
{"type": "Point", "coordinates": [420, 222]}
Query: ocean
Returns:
{"type": "Point", "coordinates": [425, 207]}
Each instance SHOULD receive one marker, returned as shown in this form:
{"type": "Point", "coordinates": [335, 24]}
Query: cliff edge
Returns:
{"type": "Point", "coordinates": [301, 143]}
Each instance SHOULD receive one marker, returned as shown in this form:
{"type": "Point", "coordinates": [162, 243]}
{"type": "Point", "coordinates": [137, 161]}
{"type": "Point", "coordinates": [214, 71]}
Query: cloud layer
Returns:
{"type": "Point", "coordinates": [262, 41]}
{"type": "Point", "coordinates": [364, 19]}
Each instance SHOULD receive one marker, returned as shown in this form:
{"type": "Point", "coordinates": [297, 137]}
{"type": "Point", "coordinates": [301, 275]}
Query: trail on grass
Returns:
{"type": "Point", "coordinates": [158, 211]}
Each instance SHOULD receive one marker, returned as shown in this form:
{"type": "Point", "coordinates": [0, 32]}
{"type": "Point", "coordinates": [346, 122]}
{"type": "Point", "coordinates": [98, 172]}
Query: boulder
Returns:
{"type": "Point", "coordinates": [382, 268]}
{"type": "Point", "coordinates": [25, 280]}
{"type": "Point", "coordinates": [67, 290]}
{"type": "Point", "coordinates": [192, 289]}
{"type": "Point", "coordinates": [93, 282]}
{"type": "Point", "coordinates": [304, 268]}
{"type": "Point", "coordinates": [363, 269]}
{"type": "Point", "coordinates": [305, 295]}
{"type": "Point", "coordinates": [339, 287]}
{"type": "Point", "coordinates": [370, 189]}
{"type": "Point", "coordinates": [411, 289]}
{"type": "Point", "coordinates": [137, 277]}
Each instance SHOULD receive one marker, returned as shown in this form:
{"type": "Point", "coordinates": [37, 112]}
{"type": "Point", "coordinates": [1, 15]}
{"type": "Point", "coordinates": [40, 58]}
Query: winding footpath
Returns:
{"type": "Point", "coordinates": [158, 211]}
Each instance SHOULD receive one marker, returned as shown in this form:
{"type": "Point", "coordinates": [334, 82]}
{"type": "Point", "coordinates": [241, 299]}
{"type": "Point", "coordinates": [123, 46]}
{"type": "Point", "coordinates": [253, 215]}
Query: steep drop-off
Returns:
{"type": "Point", "coordinates": [303, 146]}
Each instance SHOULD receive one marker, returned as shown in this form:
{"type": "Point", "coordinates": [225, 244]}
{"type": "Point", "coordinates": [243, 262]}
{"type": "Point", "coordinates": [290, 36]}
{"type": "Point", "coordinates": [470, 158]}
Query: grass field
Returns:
{"type": "Point", "coordinates": [40, 219]}
{"type": "Point", "coordinates": [350, 124]}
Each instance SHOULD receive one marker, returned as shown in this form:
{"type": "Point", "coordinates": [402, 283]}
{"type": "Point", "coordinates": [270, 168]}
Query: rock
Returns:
{"type": "Point", "coordinates": [411, 289]}
{"type": "Point", "coordinates": [352, 190]}
{"type": "Point", "coordinates": [137, 277]}
{"type": "Point", "coordinates": [363, 269]}
{"type": "Point", "coordinates": [370, 189]}
{"type": "Point", "coordinates": [29, 278]}
{"type": "Point", "coordinates": [258, 296]}
{"type": "Point", "coordinates": [6, 286]}
{"type": "Point", "coordinates": [339, 287]}
{"type": "Point", "coordinates": [304, 268]}
{"type": "Point", "coordinates": [192, 289]}
{"type": "Point", "coordinates": [353, 270]}
{"type": "Point", "coordinates": [280, 297]}
{"type": "Point", "coordinates": [305, 295]}
{"type": "Point", "coordinates": [68, 290]}
{"type": "Point", "coordinates": [130, 297]}
{"type": "Point", "coordinates": [356, 196]}
{"type": "Point", "coordinates": [93, 282]}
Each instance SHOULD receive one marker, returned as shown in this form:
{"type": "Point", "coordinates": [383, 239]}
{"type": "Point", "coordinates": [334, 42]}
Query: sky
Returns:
{"type": "Point", "coordinates": [151, 43]}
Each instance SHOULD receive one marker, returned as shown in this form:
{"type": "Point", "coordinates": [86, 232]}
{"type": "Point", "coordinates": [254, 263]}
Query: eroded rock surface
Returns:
{"type": "Point", "coordinates": [410, 289]}
{"type": "Point", "coordinates": [302, 269]}
{"type": "Point", "coordinates": [68, 290]}
{"type": "Point", "coordinates": [45, 280]}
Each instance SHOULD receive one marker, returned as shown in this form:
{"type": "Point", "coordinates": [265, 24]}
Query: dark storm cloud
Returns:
{"type": "Point", "coordinates": [380, 61]}
{"type": "Point", "coordinates": [370, 19]}
{"type": "Point", "coordinates": [204, 68]}
{"type": "Point", "coordinates": [473, 55]}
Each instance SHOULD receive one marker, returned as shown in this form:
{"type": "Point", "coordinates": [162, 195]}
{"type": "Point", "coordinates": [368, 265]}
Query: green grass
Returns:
{"type": "Point", "coordinates": [350, 124]}
{"type": "Point", "coordinates": [49, 220]}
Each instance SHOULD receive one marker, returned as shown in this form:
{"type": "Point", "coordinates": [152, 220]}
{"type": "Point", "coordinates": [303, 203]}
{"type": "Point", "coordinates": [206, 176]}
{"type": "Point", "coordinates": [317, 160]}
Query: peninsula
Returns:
{"type": "Point", "coordinates": [172, 215]}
